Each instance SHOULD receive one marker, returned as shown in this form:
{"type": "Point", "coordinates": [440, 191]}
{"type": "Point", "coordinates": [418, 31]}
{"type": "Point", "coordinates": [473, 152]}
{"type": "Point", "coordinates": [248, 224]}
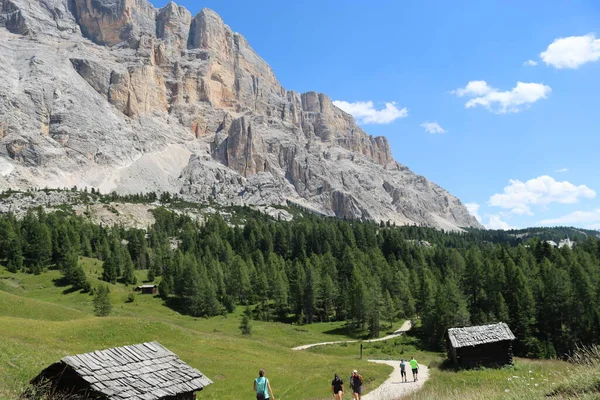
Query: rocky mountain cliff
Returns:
{"type": "Point", "coordinates": [119, 95]}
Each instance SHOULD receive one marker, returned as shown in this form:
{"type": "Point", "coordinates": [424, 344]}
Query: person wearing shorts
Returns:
{"type": "Point", "coordinates": [337, 385]}
{"type": "Point", "coordinates": [356, 382]}
{"type": "Point", "coordinates": [414, 365]}
{"type": "Point", "coordinates": [403, 370]}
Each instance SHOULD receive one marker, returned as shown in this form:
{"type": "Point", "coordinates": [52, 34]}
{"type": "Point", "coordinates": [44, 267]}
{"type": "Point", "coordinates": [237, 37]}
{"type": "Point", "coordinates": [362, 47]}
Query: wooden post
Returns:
{"type": "Point", "coordinates": [361, 349]}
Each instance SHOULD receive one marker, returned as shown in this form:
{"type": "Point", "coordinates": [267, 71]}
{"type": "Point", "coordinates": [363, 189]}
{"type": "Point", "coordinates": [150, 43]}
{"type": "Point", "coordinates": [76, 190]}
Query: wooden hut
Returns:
{"type": "Point", "coordinates": [485, 345]}
{"type": "Point", "coordinates": [147, 289]}
{"type": "Point", "coordinates": [146, 371]}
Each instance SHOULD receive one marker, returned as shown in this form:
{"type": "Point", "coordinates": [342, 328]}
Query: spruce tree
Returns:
{"type": "Point", "coordinates": [128, 270]}
{"type": "Point", "coordinates": [375, 307]}
{"type": "Point", "coordinates": [389, 309]}
{"type": "Point", "coordinates": [101, 301]}
{"type": "Point", "coordinates": [109, 270]}
{"type": "Point", "coordinates": [14, 253]}
{"type": "Point", "coordinates": [245, 323]}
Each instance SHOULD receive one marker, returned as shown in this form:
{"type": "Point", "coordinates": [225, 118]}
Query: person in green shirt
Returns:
{"type": "Point", "coordinates": [414, 365]}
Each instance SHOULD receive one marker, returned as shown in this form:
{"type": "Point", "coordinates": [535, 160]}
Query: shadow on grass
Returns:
{"type": "Point", "coordinates": [343, 330]}
{"type": "Point", "coordinates": [62, 282]}
{"type": "Point", "coordinates": [176, 304]}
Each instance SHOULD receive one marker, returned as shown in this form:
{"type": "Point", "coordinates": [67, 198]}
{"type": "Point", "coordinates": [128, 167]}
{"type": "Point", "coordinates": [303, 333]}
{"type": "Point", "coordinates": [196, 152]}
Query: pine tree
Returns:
{"type": "Point", "coordinates": [280, 294]}
{"type": "Point", "coordinates": [327, 295]}
{"type": "Point", "coordinates": [450, 311]}
{"type": "Point", "coordinates": [389, 309]}
{"type": "Point", "coordinates": [240, 279]}
{"type": "Point", "coordinates": [358, 298]}
{"type": "Point", "coordinates": [311, 284]}
{"type": "Point", "coordinates": [109, 270]}
{"type": "Point", "coordinates": [245, 324]}
{"type": "Point", "coordinates": [502, 312]}
{"type": "Point", "coordinates": [128, 272]}
{"type": "Point", "coordinates": [521, 305]}
{"type": "Point", "coordinates": [14, 253]}
{"type": "Point", "coordinates": [165, 287]}
{"type": "Point", "coordinates": [38, 250]}
{"type": "Point", "coordinates": [102, 303]}
{"type": "Point", "coordinates": [375, 306]}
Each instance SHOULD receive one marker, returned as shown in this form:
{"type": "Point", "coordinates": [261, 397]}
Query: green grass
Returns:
{"type": "Point", "coordinates": [527, 379]}
{"type": "Point", "coordinates": [41, 323]}
{"type": "Point", "coordinates": [393, 349]}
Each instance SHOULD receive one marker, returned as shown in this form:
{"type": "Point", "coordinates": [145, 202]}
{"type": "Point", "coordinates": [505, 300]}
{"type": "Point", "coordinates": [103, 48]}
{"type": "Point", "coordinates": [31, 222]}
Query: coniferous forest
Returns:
{"type": "Point", "coordinates": [316, 269]}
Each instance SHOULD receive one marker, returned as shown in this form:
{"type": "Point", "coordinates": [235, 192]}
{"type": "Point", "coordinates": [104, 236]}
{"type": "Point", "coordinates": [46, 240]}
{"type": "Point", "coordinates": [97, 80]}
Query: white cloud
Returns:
{"type": "Point", "coordinates": [473, 209]}
{"type": "Point", "coordinates": [572, 51]}
{"type": "Point", "coordinates": [433, 127]}
{"type": "Point", "coordinates": [366, 113]}
{"type": "Point", "coordinates": [495, 222]}
{"type": "Point", "coordinates": [530, 63]}
{"type": "Point", "coordinates": [473, 88]}
{"type": "Point", "coordinates": [517, 99]}
{"type": "Point", "coordinates": [562, 170]}
{"type": "Point", "coordinates": [576, 217]}
{"type": "Point", "coordinates": [519, 196]}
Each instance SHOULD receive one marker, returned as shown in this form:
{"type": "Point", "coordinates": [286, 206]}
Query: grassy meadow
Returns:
{"type": "Point", "coordinates": [41, 322]}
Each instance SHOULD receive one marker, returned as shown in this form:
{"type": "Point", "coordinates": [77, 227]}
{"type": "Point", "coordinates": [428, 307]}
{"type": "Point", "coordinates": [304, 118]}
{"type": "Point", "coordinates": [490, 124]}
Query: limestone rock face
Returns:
{"type": "Point", "coordinates": [118, 95]}
{"type": "Point", "coordinates": [111, 22]}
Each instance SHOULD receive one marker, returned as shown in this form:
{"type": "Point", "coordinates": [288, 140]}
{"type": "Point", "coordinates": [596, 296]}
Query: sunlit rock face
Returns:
{"type": "Point", "coordinates": [119, 95]}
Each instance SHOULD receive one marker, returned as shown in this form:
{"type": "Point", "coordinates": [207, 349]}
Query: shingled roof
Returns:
{"type": "Point", "coordinates": [146, 371]}
{"type": "Point", "coordinates": [476, 335]}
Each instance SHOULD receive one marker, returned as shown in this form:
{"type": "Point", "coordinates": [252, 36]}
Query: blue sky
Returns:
{"type": "Point", "coordinates": [519, 143]}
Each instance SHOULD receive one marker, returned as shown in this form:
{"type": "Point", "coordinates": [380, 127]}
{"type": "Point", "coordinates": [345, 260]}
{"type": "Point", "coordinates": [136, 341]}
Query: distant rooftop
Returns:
{"type": "Point", "coordinates": [476, 335]}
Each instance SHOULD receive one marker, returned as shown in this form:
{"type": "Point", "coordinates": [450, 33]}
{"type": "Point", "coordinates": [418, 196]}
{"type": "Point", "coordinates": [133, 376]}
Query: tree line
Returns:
{"type": "Point", "coordinates": [316, 269]}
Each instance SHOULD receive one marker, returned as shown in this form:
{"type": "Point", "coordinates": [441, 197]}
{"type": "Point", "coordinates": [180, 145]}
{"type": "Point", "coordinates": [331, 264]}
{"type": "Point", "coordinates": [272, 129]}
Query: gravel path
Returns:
{"type": "Point", "coordinates": [405, 327]}
{"type": "Point", "coordinates": [393, 388]}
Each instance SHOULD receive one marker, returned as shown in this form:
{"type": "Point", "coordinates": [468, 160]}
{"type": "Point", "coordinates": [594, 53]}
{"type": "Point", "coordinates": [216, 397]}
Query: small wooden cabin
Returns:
{"type": "Point", "coordinates": [145, 371]}
{"type": "Point", "coordinates": [484, 345]}
{"type": "Point", "coordinates": [147, 289]}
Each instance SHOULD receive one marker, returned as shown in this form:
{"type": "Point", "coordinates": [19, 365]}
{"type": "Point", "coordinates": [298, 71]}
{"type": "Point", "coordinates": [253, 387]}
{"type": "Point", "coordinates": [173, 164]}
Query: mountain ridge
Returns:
{"type": "Point", "coordinates": [123, 96]}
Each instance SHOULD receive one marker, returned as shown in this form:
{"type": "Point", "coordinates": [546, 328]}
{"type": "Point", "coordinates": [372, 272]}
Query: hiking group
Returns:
{"type": "Point", "coordinates": [414, 365]}
{"type": "Point", "coordinates": [356, 383]}
{"type": "Point", "coordinates": [263, 390]}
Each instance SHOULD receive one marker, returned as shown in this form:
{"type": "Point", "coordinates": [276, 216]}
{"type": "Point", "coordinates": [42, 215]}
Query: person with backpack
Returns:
{"type": "Point", "coordinates": [414, 365]}
{"type": "Point", "coordinates": [262, 387]}
{"type": "Point", "coordinates": [356, 382]}
{"type": "Point", "coordinates": [403, 370]}
{"type": "Point", "coordinates": [337, 385]}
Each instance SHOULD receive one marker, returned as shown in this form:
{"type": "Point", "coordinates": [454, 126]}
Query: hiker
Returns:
{"type": "Point", "coordinates": [403, 370]}
{"type": "Point", "coordinates": [337, 385]}
{"type": "Point", "coordinates": [356, 382]}
{"type": "Point", "coordinates": [262, 387]}
{"type": "Point", "coordinates": [414, 365]}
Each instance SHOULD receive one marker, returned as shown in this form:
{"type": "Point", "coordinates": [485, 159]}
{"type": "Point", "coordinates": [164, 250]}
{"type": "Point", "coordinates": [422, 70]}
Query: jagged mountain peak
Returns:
{"type": "Point", "coordinates": [120, 95]}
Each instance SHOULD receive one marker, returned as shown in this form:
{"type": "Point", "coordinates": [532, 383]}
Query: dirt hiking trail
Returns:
{"type": "Point", "coordinates": [393, 388]}
{"type": "Point", "coordinates": [404, 328]}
